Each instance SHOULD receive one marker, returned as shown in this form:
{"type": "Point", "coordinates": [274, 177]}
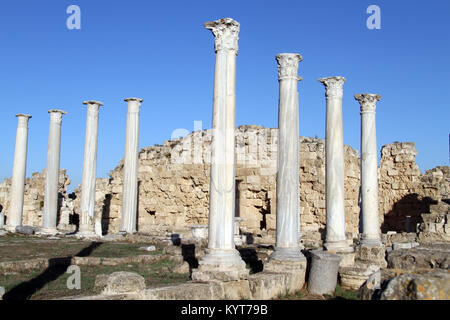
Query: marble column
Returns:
{"type": "Point", "coordinates": [87, 222]}
{"type": "Point", "coordinates": [371, 234]}
{"type": "Point", "coordinates": [287, 246]}
{"type": "Point", "coordinates": [130, 168]}
{"type": "Point", "coordinates": [222, 260]}
{"type": "Point", "coordinates": [52, 173]}
{"type": "Point", "coordinates": [334, 171]}
{"type": "Point", "coordinates": [19, 174]}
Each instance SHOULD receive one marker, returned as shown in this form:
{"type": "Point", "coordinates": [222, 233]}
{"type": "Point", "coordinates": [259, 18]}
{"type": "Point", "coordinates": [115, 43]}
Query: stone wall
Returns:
{"type": "Point", "coordinates": [174, 185]}
{"type": "Point", "coordinates": [34, 197]}
{"type": "Point", "coordinates": [404, 192]}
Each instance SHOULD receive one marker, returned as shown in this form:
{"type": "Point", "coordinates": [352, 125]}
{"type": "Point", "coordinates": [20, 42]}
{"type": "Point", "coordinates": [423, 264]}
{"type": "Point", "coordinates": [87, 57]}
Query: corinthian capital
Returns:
{"type": "Point", "coordinates": [288, 66]}
{"type": "Point", "coordinates": [334, 86]}
{"type": "Point", "coordinates": [367, 101]}
{"type": "Point", "coordinates": [226, 32]}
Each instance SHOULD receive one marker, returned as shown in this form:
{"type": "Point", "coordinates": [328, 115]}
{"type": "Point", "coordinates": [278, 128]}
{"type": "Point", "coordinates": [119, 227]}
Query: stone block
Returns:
{"type": "Point", "coordinates": [123, 282]}
{"type": "Point", "coordinates": [428, 286]}
{"type": "Point", "coordinates": [354, 277]}
{"type": "Point", "coordinates": [236, 290]}
{"type": "Point", "coordinates": [186, 291]}
{"type": "Point", "coordinates": [374, 254]}
{"type": "Point", "coordinates": [265, 285]}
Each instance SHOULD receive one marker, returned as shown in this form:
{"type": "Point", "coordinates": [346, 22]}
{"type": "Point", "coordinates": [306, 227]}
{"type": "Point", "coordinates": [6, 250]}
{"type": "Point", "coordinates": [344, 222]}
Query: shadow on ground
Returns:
{"type": "Point", "coordinates": [57, 267]}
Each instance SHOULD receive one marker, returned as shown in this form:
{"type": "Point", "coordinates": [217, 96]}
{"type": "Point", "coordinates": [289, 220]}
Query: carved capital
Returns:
{"type": "Point", "coordinates": [334, 86]}
{"type": "Point", "coordinates": [367, 101]}
{"type": "Point", "coordinates": [288, 66]}
{"type": "Point", "coordinates": [226, 32]}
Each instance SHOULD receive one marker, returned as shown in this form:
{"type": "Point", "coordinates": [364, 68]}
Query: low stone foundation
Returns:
{"type": "Point", "coordinates": [259, 286]}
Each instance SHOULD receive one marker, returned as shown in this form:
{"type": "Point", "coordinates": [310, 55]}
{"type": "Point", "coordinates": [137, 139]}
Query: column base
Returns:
{"type": "Point", "coordinates": [220, 265]}
{"type": "Point", "coordinates": [86, 229]}
{"type": "Point", "coordinates": [86, 234]}
{"type": "Point", "coordinates": [10, 228]}
{"type": "Point", "coordinates": [340, 246]}
{"type": "Point", "coordinates": [127, 232]}
{"type": "Point", "coordinates": [342, 249]}
{"type": "Point", "coordinates": [368, 242]}
{"type": "Point", "coordinates": [48, 231]}
{"type": "Point", "coordinates": [288, 254]}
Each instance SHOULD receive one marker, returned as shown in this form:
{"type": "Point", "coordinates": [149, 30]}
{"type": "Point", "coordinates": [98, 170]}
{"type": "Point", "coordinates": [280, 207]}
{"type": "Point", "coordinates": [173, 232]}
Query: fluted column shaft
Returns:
{"type": "Point", "coordinates": [334, 170]}
{"type": "Point", "coordinates": [369, 170]}
{"type": "Point", "coordinates": [130, 169]}
{"type": "Point", "coordinates": [89, 168]}
{"type": "Point", "coordinates": [288, 213]}
{"type": "Point", "coordinates": [19, 173]}
{"type": "Point", "coordinates": [52, 173]}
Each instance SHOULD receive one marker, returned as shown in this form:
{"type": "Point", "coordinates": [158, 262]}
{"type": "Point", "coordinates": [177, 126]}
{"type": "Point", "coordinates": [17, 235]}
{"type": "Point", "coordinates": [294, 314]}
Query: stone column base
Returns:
{"type": "Point", "coordinates": [295, 272]}
{"type": "Point", "coordinates": [337, 246]}
{"type": "Point", "coordinates": [220, 265]}
{"type": "Point", "coordinates": [9, 228]}
{"type": "Point", "coordinates": [86, 234]}
{"type": "Point", "coordinates": [48, 231]}
{"type": "Point", "coordinates": [288, 254]}
{"type": "Point", "coordinates": [342, 249]}
{"type": "Point", "coordinates": [370, 242]}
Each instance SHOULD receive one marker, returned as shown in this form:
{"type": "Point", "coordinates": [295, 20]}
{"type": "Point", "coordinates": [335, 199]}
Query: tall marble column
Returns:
{"type": "Point", "coordinates": [371, 234]}
{"type": "Point", "coordinates": [222, 260]}
{"type": "Point", "coordinates": [18, 175]}
{"type": "Point", "coordinates": [52, 173]}
{"type": "Point", "coordinates": [130, 168]}
{"type": "Point", "coordinates": [334, 171]}
{"type": "Point", "coordinates": [287, 246]}
{"type": "Point", "coordinates": [87, 223]}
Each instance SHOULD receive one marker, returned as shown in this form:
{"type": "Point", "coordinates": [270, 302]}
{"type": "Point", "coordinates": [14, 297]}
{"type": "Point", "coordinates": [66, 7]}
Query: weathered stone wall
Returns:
{"type": "Point", "coordinates": [174, 184]}
{"type": "Point", "coordinates": [404, 192]}
{"type": "Point", "coordinates": [34, 197]}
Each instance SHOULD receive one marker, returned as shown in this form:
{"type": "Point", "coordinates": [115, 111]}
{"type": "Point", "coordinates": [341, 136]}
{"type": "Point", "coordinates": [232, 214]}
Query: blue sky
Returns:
{"type": "Point", "coordinates": [160, 51]}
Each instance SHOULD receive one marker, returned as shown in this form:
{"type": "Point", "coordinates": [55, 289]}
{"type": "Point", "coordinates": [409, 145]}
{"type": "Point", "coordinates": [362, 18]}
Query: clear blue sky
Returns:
{"type": "Point", "coordinates": [160, 51]}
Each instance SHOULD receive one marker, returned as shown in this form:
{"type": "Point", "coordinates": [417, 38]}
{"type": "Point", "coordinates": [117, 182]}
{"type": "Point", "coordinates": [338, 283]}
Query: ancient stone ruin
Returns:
{"type": "Point", "coordinates": [288, 206]}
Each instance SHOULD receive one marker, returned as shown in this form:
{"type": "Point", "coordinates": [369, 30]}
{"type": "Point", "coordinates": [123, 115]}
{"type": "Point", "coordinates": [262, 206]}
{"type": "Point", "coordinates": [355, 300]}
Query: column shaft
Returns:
{"type": "Point", "coordinates": [334, 171]}
{"type": "Point", "coordinates": [369, 170]}
{"type": "Point", "coordinates": [222, 178]}
{"type": "Point", "coordinates": [52, 173]}
{"type": "Point", "coordinates": [89, 168]}
{"type": "Point", "coordinates": [19, 174]}
{"type": "Point", "coordinates": [288, 213]}
{"type": "Point", "coordinates": [130, 170]}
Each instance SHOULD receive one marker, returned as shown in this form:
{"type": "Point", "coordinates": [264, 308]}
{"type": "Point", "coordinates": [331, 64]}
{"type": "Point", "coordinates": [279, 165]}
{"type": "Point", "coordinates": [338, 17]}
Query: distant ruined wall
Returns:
{"type": "Point", "coordinates": [174, 184]}
{"type": "Point", "coordinates": [34, 197]}
{"type": "Point", "coordinates": [404, 191]}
